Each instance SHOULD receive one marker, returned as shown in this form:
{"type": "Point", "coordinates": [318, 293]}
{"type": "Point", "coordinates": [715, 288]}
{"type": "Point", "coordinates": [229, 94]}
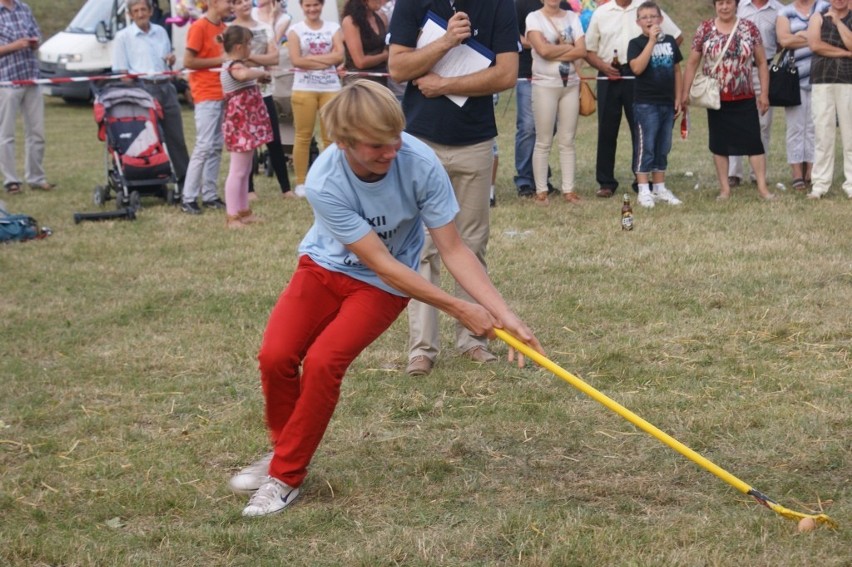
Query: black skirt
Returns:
{"type": "Point", "coordinates": [735, 129]}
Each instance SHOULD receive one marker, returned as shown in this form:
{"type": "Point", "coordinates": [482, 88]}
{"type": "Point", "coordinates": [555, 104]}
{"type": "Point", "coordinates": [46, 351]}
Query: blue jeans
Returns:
{"type": "Point", "coordinates": [654, 124]}
{"type": "Point", "coordinates": [524, 134]}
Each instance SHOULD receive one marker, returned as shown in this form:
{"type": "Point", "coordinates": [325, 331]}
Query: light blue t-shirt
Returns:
{"type": "Point", "coordinates": [415, 191]}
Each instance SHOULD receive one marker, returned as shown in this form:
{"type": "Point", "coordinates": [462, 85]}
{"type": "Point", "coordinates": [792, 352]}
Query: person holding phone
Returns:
{"type": "Point", "coordinates": [19, 40]}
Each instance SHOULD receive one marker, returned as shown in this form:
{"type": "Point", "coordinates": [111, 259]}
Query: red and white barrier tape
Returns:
{"type": "Point", "coordinates": [82, 79]}
{"type": "Point", "coordinates": [276, 70]}
{"type": "Point", "coordinates": [65, 80]}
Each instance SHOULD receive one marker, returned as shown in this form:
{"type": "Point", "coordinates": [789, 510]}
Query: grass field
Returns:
{"type": "Point", "coordinates": [130, 391]}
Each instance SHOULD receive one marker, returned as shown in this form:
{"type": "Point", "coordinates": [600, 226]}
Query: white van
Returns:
{"type": "Point", "coordinates": [84, 48]}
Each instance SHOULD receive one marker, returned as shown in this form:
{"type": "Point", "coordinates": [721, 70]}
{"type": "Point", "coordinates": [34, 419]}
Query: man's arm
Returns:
{"type": "Point", "coordinates": [601, 65]}
{"type": "Point", "coordinates": [17, 45]}
{"type": "Point", "coordinates": [671, 28]}
{"type": "Point", "coordinates": [494, 79]}
{"type": "Point", "coordinates": [120, 61]}
{"type": "Point", "coordinates": [408, 63]}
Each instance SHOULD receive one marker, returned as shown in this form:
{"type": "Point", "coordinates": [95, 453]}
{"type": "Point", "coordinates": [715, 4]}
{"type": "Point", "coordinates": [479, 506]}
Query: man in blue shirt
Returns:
{"type": "Point", "coordinates": [461, 135]}
{"type": "Point", "coordinates": [19, 40]}
{"type": "Point", "coordinates": [372, 193]}
{"type": "Point", "coordinates": [144, 48]}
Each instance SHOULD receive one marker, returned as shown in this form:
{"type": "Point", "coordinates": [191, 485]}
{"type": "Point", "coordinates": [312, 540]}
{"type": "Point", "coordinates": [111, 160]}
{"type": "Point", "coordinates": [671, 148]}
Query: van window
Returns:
{"type": "Point", "coordinates": [90, 14]}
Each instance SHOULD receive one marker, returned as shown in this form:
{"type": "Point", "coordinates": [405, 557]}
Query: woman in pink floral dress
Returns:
{"type": "Point", "coordinates": [735, 127]}
{"type": "Point", "coordinates": [246, 124]}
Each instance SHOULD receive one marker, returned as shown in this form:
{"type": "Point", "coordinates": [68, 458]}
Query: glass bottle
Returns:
{"type": "Point", "coordinates": [626, 214]}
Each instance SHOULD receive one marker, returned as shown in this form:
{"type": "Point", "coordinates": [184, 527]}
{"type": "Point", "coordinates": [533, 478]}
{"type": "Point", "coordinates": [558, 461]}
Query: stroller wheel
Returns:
{"type": "Point", "coordinates": [170, 196]}
{"type": "Point", "coordinates": [100, 195]}
{"type": "Point", "coordinates": [135, 202]}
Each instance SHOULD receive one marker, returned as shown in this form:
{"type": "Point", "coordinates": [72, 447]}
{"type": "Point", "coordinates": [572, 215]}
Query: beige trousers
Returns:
{"type": "Point", "coordinates": [831, 107]}
{"type": "Point", "coordinates": [469, 168]}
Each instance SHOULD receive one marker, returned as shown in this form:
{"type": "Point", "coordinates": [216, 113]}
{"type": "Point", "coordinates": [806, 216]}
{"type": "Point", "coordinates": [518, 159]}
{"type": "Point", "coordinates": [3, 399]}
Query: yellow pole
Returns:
{"type": "Point", "coordinates": [651, 429]}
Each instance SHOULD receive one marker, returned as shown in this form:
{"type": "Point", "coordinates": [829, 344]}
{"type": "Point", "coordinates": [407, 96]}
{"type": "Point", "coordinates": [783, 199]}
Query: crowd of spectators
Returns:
{"type": "Point", "coordinates": [553, 47]}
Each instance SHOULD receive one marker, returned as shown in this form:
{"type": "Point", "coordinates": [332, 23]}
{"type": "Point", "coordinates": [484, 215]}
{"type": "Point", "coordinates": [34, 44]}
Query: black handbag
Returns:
{"type": "Point", "coordinates": [784, 81]}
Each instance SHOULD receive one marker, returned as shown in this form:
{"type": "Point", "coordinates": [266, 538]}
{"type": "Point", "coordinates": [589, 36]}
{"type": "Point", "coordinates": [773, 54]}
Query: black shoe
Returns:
{"type": "Point", "coordinates": [190, 208]}
{"type": "Point", "coordinates": [551, 190]}
{"type": "Point", "coordinates": [526, 192]}
{"type": "Point", "coordinates": [216, 203]}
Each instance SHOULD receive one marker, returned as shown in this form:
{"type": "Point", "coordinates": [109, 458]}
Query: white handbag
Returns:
{"type": "Point", "coordinates": [705, 89]}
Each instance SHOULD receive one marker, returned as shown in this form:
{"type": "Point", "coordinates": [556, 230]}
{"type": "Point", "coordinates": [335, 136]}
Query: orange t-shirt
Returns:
{"type": "Point", "coordinates": [201, 39]}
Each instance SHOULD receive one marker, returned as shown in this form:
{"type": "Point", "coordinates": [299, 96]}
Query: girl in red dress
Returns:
{"type": "Point", "coordinates": [246, 122]}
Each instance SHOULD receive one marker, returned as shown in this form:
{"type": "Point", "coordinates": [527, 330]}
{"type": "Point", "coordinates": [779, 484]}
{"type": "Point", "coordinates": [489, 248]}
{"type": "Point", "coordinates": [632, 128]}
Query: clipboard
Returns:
{"type": "Point", "coordinates": [465, 59]}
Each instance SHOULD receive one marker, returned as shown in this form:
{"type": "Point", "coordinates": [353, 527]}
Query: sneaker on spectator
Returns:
{"type": "Point", "coordinates": [215, 203]}
{"type": "Point", "coordinates": [299, 191]}
{"type": "Point", "coordinates": [645, 198]}
{"type": "Point", "coordinates": [272, 497]}
{"type": "Point", "coordinates": [665, 196]}
{"type": "Point", "coordinates": [526, 191]}
{"type": "Point", "coordinates": [251, 477]}
{"type": "Point", "coordinates": [190, 208]}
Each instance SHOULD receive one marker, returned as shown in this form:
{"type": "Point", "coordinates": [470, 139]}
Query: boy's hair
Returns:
{"type": "Point", "coordinates": [649, 5]}
{"type": "Point", "coordinates": [363, 111]}
{"type": "Point", "coordinates": [233, 36]}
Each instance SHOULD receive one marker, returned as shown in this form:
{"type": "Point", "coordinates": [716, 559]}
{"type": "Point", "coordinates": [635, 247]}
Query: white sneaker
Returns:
{"type": "Point", "coordinates": [270, 498]}
{"type": "Point", "coordinates": [299, 191]}
{"type": "Point", "coordinates": [666, 196]}
{"type": "Point", "coordinates": [645, 198]}
{"type": "Point", "coordinates": [252, 477]}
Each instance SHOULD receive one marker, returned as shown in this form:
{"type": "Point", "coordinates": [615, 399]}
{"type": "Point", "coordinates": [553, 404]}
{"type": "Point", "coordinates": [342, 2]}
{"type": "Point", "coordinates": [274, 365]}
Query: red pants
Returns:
{"type": "Point", "coordinates": [322, 321]}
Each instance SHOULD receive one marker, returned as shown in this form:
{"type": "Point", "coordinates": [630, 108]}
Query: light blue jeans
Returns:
{"type": "Point", "coordinates": [202, 174]}
{"type": "Point", "coordinates": [524, 134]}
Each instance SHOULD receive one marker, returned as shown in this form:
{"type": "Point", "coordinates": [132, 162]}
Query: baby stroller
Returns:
{"type": "Point", "coordinates": [137, 160]}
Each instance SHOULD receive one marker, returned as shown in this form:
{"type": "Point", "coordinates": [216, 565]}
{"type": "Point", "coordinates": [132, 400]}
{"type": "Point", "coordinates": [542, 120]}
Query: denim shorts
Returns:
{"type": "Point", "coordinates": [654, 123]}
